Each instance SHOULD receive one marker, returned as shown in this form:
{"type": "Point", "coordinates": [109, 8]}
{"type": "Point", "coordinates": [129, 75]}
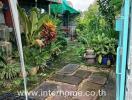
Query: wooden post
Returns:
{"type": "Point", "coordinates": [50, 8]}
{"type": "Point", "coordinates": [36, 3]}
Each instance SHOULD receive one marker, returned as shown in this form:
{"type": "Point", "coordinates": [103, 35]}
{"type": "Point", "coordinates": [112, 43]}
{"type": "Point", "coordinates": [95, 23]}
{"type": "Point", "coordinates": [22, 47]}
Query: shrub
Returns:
{"type": "Point", "coordinates": [104, 46]}
{"type": "Point", "coordinates": [9, 71]}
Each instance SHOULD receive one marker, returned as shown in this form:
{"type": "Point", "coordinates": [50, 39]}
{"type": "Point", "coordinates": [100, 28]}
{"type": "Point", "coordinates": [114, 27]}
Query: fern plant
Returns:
{"type": "Point", "coordinates": [9, 71]}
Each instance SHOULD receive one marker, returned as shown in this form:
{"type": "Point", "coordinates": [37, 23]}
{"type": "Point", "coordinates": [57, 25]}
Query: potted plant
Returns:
{"type": "Point", "coordinates": [110, 48]}
{"type": "Point", "coordinates": [105, 49]}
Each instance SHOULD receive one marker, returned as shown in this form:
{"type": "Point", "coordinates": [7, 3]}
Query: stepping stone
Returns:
{"type": "Point", "coordinates": [43, 90]}
{"type": "Point", "coordinates": [85, 98]}
{"type": "Point", "coordinates": [73, 80]}
{"type": "Point", "coordinates": [55, 98]}
{"type": "Point", "coordinates": [98, 78]}
{"type": "Point", "coordinates": [82, 74]}
{"type": "Point", "coordinates": [69, 69]}
{"type": "Point", "coordinates": [58, 98]}
{"type": "Point", "coordinates": [101, 73]}
{"type": "Point", "coordinates": [89, 86]}
{"type": "Point", "coordinates": [66, 87]}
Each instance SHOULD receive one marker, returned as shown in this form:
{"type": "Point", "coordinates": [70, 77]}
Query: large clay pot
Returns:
{"type": "Point", "coordinates": [107, 59]}
{"type": "Point", "coordinates": [90, 57]}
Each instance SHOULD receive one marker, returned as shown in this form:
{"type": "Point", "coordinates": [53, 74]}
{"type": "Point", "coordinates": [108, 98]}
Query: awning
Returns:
{"type": "Point", "coordinates": [61, 8]}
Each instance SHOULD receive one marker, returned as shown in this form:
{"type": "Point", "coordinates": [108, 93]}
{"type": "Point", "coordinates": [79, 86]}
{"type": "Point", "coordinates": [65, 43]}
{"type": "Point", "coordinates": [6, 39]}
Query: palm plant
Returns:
{"type": "Point", "coordinates": [31, 23]}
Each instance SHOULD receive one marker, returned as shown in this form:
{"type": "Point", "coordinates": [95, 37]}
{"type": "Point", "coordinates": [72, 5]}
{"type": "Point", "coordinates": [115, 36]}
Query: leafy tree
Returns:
{"type": "Point", "coordinates": [117, 6]}
{"type": "Point", "coordinates": [90, 24]}
{"type": "Point", "coordinates": [107, 10]}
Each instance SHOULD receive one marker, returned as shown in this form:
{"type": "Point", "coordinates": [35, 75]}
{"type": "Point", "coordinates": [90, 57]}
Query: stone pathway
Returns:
{"type": "Point", "coordinates": [110, 87]}
{"type": "Point", "coordinates": [73, 78]}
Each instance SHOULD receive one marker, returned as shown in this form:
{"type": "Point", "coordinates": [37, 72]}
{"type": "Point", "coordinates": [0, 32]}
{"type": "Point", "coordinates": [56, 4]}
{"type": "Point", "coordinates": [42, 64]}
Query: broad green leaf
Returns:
{"type": "Point", "coordinates": [108, 62]}
{"type": "Point", "coordinates": [100, 59]}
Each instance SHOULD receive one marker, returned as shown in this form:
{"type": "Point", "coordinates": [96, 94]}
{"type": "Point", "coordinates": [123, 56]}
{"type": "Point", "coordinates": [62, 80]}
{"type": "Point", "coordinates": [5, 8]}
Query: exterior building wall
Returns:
{"type": "Point", "coordinates": [7, 13]}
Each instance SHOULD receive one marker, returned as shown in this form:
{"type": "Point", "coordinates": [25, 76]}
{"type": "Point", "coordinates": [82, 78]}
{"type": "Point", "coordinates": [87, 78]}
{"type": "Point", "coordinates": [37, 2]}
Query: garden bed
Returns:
{"type": "Point", "coordinates": [72, 54]}
{"type": "Point", "coordinates": [47, 50]}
